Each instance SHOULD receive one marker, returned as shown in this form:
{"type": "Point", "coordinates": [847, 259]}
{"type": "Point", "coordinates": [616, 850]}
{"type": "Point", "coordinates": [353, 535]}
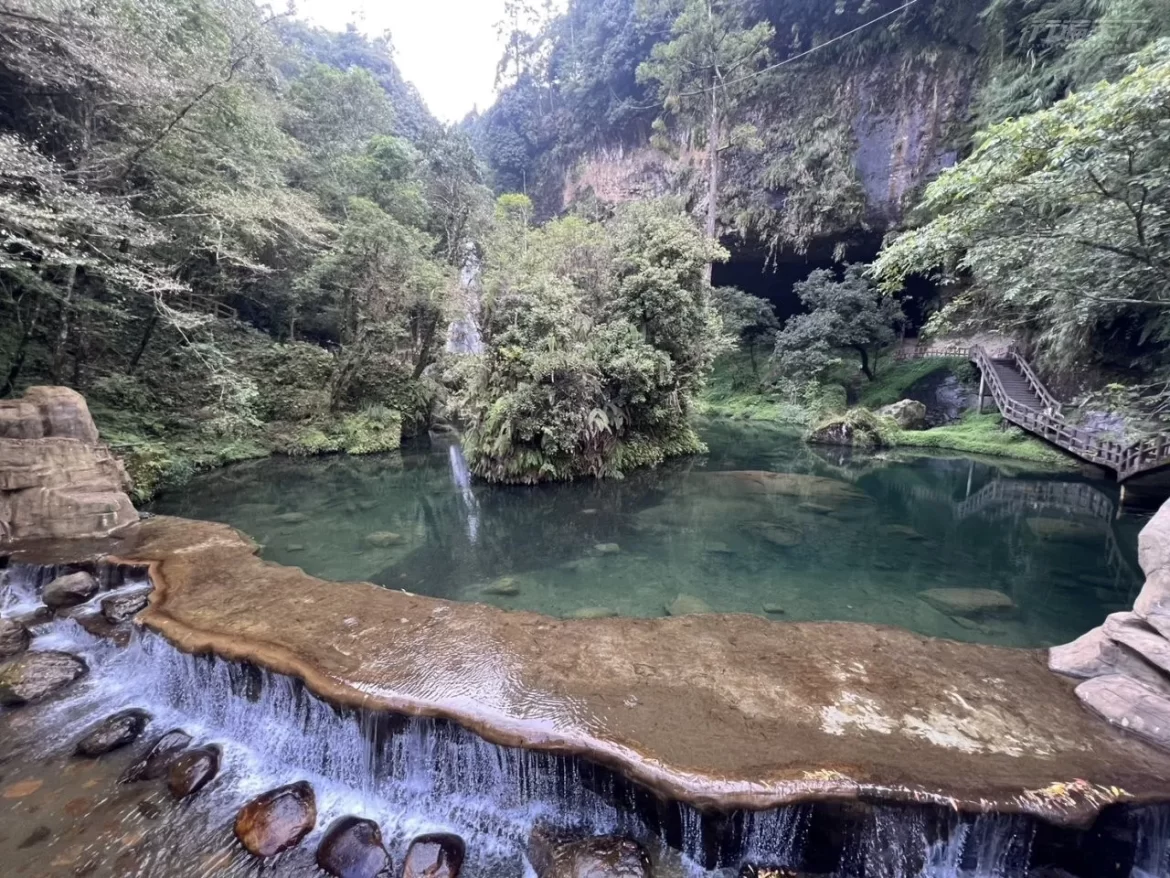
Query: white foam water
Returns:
{"type": "Point", "coordinates": [1152, 842]}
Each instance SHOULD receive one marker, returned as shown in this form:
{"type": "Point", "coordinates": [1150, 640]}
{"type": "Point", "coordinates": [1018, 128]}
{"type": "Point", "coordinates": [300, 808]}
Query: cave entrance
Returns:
{"type": "Point", "coordinates": [749, 269]}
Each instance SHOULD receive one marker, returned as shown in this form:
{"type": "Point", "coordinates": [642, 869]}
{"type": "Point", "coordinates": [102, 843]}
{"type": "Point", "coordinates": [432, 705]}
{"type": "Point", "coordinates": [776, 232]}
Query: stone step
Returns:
{"type": "Point", "coordinates": [1128, 704]}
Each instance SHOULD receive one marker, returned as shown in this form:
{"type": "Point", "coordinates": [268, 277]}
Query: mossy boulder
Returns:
{"type": "Point", "coordinates": [857, 428]}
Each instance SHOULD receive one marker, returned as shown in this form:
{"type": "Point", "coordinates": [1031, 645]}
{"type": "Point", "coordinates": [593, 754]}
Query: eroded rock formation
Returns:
{"type": "Point", "coordinates": [56, 479]}
{"type": "Point", "coordinates": [1125, 662]}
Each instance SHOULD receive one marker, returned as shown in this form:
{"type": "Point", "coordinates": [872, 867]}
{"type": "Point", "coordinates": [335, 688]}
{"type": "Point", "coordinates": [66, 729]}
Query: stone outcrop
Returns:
{"type": "Point", "coordinates": [909, 414]}
{"type": "Point", "coordinates": [439, 855]}
{"type": "Point", "coordinates": [14, 638]}
{"type": "Point", "coordinates": [118, 608]}
{"type": "Point", "coordinates": [112, 733]}
{"type": "Point", "coordinates": [353, 848]}
{"type": "Point", "coordinates": [1126, 662]}
{"type": "Point", "coordinates": [973, 602]}
{"type": "Point", "coordinates": [723, 712]}
{"type": "Point", "coordinates": [277, 820]}
{"type": "Point", "coordinates": [56, 480]}
{"type": "Point", "coordinates": [37, 675]}
{"type": "Point", "coordinates": [69, 590]}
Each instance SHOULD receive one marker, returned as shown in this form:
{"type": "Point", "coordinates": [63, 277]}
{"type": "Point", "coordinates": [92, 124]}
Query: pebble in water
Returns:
{"type": "Point", "coordinates": [113, 732]}
{"type": "Point", "coordinates": [352, 848]}
{"type": "Point", "coordinates": [192, 770]}
{"type": "Point", "coordinates": [158, 760]}
{"type": "Point", "coordinates": [439, 855]}
{"type": "Point", "coordinates": [277, 820]}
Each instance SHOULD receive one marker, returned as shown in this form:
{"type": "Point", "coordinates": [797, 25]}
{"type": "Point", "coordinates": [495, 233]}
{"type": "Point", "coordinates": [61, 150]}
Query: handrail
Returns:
{"type": "Point", "coordinates": [1126, 460]}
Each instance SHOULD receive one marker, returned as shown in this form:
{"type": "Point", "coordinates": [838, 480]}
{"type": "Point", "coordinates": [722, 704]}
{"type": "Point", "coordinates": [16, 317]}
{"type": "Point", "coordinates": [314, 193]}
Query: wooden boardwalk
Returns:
{"type": "Point", "coordinates": [1023, 400]}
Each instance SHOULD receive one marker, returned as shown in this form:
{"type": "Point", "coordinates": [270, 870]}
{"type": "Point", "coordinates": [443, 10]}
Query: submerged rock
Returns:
{"type": "Point", "coordinates": [192, 770]}
{"type": "Point", "coordinates": [816, 508]}
{"type": "Point", "coordinates": [909, 414]}
{"type": "Point", "coordinates": [119, 608]}
{"type": "Point", "coordinates": [383, 538]}
{"type": "Point", "coordinates": [352, 848]}
{"type": "Point", "coordinates": [607, 548]}
{"type": "Point", "coordinates": [1129, 704]}
{"type": "Point", "coordinates": [968, 601]}
{"type": "Point", "coordinates": [688, 605]}
{"type": "Point", "coordinates": [787, 484]}
{"type": "Point", "coordinates": [554, 855]}
{"type": "Point", "coordinates": [774, 610]}
{"type": "Point", "coordinates": [292, 518]}
{"type": "Point", "coordinates": [439, 855]}
{"type": "Point", "coordinates": [505, 586]}
{"type": "Point", "coordinates": [113, 732]}
{"type": "Point", "coordinates": [903, 530]}
{"type": "Point", "coordinates": [38, 675]}
{"type": "Point", "coordinates": [277, 820]}
{"type": "Point", "coordinates": [158, 759]}
{"type": "Point", "coordinates": [781, 535]}
{"type": "Point", "coordinates": [593, 613]}
{"type": "Point", "coordinates": [14, 638]}
{"type": "Point", "coordinates": [70, 590]}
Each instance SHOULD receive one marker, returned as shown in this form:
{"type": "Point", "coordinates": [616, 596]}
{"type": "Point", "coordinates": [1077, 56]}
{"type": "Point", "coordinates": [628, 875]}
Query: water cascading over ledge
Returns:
{"type": "Point", "coordinates": [415, 774]}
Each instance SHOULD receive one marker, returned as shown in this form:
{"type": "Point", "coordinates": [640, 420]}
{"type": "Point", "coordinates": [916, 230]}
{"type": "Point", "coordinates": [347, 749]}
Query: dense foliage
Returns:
{"type": "Point", "coordinates": [197, 196]}
{"type": "Point", "coordinates": [597, 336]}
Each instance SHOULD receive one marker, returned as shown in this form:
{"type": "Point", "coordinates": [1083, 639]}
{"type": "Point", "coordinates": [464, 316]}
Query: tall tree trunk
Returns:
{"type": "Point", "coordinates": [58, 367]}
{"type": "Point", "coordinates": [713, 174]}
{"type": "Point", "coordinates": [142, 345]}
{"type": "Point", "coordinates": [865, 367]}
{"type": "Point", "coordinates": [17, 364]}
{"type": "Point", "coordinates": [424, 353]}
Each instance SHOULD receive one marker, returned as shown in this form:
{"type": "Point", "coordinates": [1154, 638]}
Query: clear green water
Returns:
{"type": "Point", "coordinates": [858, 541]}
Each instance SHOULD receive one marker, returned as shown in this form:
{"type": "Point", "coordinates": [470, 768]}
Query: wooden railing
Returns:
{"type": "Point", "coordinates": [1126, 460]}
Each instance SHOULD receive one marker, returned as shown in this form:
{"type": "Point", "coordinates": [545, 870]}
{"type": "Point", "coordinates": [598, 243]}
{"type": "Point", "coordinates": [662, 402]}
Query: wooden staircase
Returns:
{"type": "Point", "coordinates": [1023, 400]}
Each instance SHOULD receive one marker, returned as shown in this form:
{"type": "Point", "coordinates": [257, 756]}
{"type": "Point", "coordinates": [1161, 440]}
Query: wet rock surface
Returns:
{"type": "Point", "coordinates": [37, 675]}
{"type": "Point", "coordinates": [727, 711]}
{"type": "Point", "coordinates": [158, 758]}
{"type": "Point", "coordinates": [557, 856]}
{"type": "Point", "coordinates": [353, 848]}
{"type": "Point", "coordinates": [14, 638]}
{"type": "Point", "coordinates": [437, 855]}
{"type": "Point", "coordinates": [114, 732]}
{"type": "Point", "coordinates": [120, 608]}
{"type": "Point", "coordinates": [277, 820]}
{"type": "Point", "coordinates": [1131, 705]}
{"type": "Point", "coordinates": [70, 590]}
{"type": "Point", "coordinates": [56, 480]}
{"type": "Point", "coordinates": [192, 770]}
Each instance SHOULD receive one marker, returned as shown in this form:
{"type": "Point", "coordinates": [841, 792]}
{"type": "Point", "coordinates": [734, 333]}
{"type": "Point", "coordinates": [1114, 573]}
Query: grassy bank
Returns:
{"type": "Point", "coordinates": [985, 435]}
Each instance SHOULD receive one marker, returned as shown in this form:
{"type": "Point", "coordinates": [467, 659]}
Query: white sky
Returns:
{"type": "Point", "coordinates": [447, 48]}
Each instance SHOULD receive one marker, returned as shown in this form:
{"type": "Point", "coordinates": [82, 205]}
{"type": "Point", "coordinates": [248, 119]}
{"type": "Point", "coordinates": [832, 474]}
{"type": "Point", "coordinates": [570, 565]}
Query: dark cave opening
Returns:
{"type": "Point", "coordinates": [749, 269]}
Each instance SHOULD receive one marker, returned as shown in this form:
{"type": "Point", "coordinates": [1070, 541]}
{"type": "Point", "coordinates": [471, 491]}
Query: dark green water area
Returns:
{"type": "Point", "coordinates": [762, 524]}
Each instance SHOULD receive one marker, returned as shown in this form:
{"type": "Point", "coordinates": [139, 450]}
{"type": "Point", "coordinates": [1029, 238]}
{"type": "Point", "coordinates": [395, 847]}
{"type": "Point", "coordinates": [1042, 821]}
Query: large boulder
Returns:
{"type": "Point", "coordinates": [113, 733]}
{"type": "Point", "coordinates": [192, 770]}
{"type": "Point", "coordinates": [1129, 629]}
{"type": "Point", "coordinates": [439, 855]}
{"type": "Point", "coordinates": [909, 414]}
{"type": "Point", "coordinates": [857, 428]}
{"type": "Point", "coordinates": [1126, 703]}
{"type": "Point", "coordinates": [277, 820]}
{"type": "Point", "coordinates": [1096, 655]}
{"type": "Point", "coordinates": [14, 638]}
{"type": "Point", "coordinates": [157, 761]}
{"type": "Point", "coordinates": [70, 590]}
{"type": "Point", "coordinates": [353, 848]}
{"type": "Point", "coordinates": [554, 855]}
{"type": "Point", "coordinates": [972, 602]}
{"type": "Point", "coordinates": [56, 481]}
{"type": "Point", "coordinates": [37, 675]}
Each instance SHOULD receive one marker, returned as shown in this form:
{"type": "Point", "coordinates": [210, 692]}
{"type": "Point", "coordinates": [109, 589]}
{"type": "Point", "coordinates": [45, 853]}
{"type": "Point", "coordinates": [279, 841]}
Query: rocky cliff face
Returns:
{"type": "Point", "coordinates": [56, 479]}
{"type": "Point", "coordinates": [841, 151]}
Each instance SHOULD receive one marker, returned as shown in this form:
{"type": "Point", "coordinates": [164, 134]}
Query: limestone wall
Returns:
{"type": "Point", "coordinates": [1125, 663]}
{"type": "Point", "coordinates": [56, 479]}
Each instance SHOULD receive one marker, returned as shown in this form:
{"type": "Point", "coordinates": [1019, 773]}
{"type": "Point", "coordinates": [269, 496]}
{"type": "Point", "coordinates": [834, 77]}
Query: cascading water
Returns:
{"type": "Point", "coordinates": [463, 333]}
{"type": "Point", "coordinates": [416, 775]}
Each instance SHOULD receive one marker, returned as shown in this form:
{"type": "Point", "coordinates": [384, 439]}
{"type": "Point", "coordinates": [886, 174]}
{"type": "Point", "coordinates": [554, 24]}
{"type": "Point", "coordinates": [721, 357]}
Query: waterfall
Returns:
{"type": "Point", "coordinates": [1152, 843]}
{"type": "Point", "coordinates": [463, 333]}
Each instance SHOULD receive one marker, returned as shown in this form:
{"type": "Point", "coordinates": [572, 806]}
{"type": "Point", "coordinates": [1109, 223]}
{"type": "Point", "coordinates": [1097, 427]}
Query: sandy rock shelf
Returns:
{"type": "Point", "coordinates": [722, 712]}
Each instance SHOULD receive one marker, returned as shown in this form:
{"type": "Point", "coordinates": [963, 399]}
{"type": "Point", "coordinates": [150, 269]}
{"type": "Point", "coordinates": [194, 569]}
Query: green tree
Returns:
{"type": "Point", "coordinates": [705, 73]}
{"type": "Point", "coordinates": [1059, 222]}
{"type": "Point", "coordinates": [846, 314]}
